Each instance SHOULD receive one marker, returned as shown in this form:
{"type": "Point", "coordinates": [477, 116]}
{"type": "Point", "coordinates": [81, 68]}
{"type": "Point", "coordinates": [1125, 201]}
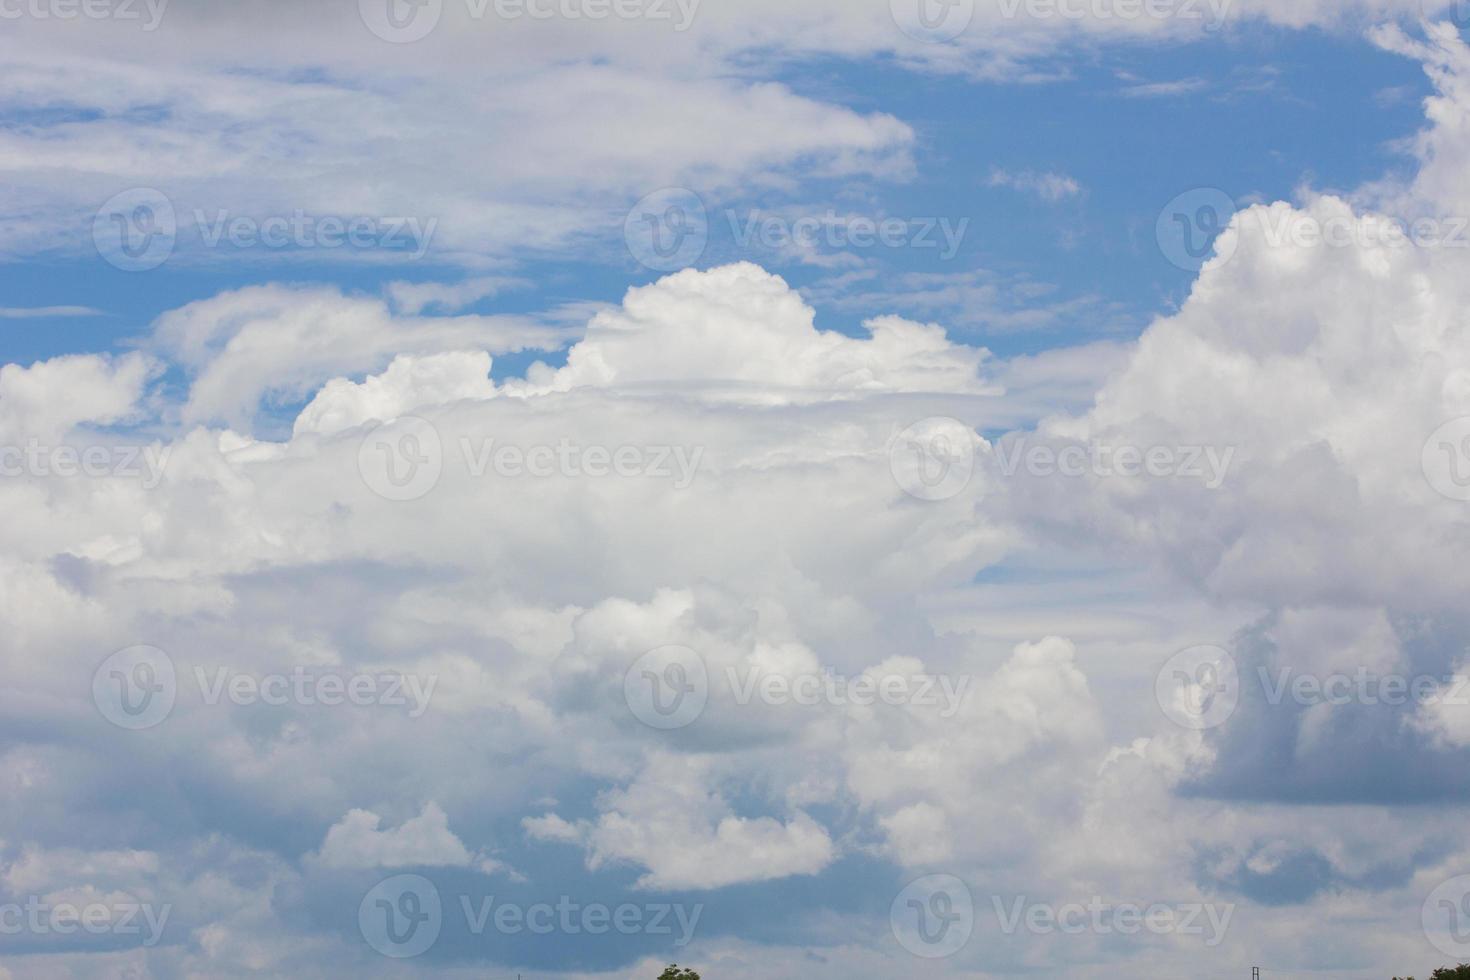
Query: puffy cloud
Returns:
{"type": "Point", "coordinates": [740, 333]}
{"type": "Point", "coordinates": [356, 842]}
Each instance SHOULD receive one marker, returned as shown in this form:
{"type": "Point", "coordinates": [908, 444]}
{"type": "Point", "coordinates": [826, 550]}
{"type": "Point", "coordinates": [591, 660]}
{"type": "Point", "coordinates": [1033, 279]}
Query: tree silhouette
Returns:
{"type": "Point", "coordinates": [674, 973]}
{"type": "Point", "coordinates": [1461, 972]}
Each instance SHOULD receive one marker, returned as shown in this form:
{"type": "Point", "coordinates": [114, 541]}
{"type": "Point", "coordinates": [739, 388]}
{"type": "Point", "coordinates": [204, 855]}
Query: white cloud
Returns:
{"type": "Point", "coordinates": [356, 842]}
{"type": "Point", "coordinates": [1047, 186]}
